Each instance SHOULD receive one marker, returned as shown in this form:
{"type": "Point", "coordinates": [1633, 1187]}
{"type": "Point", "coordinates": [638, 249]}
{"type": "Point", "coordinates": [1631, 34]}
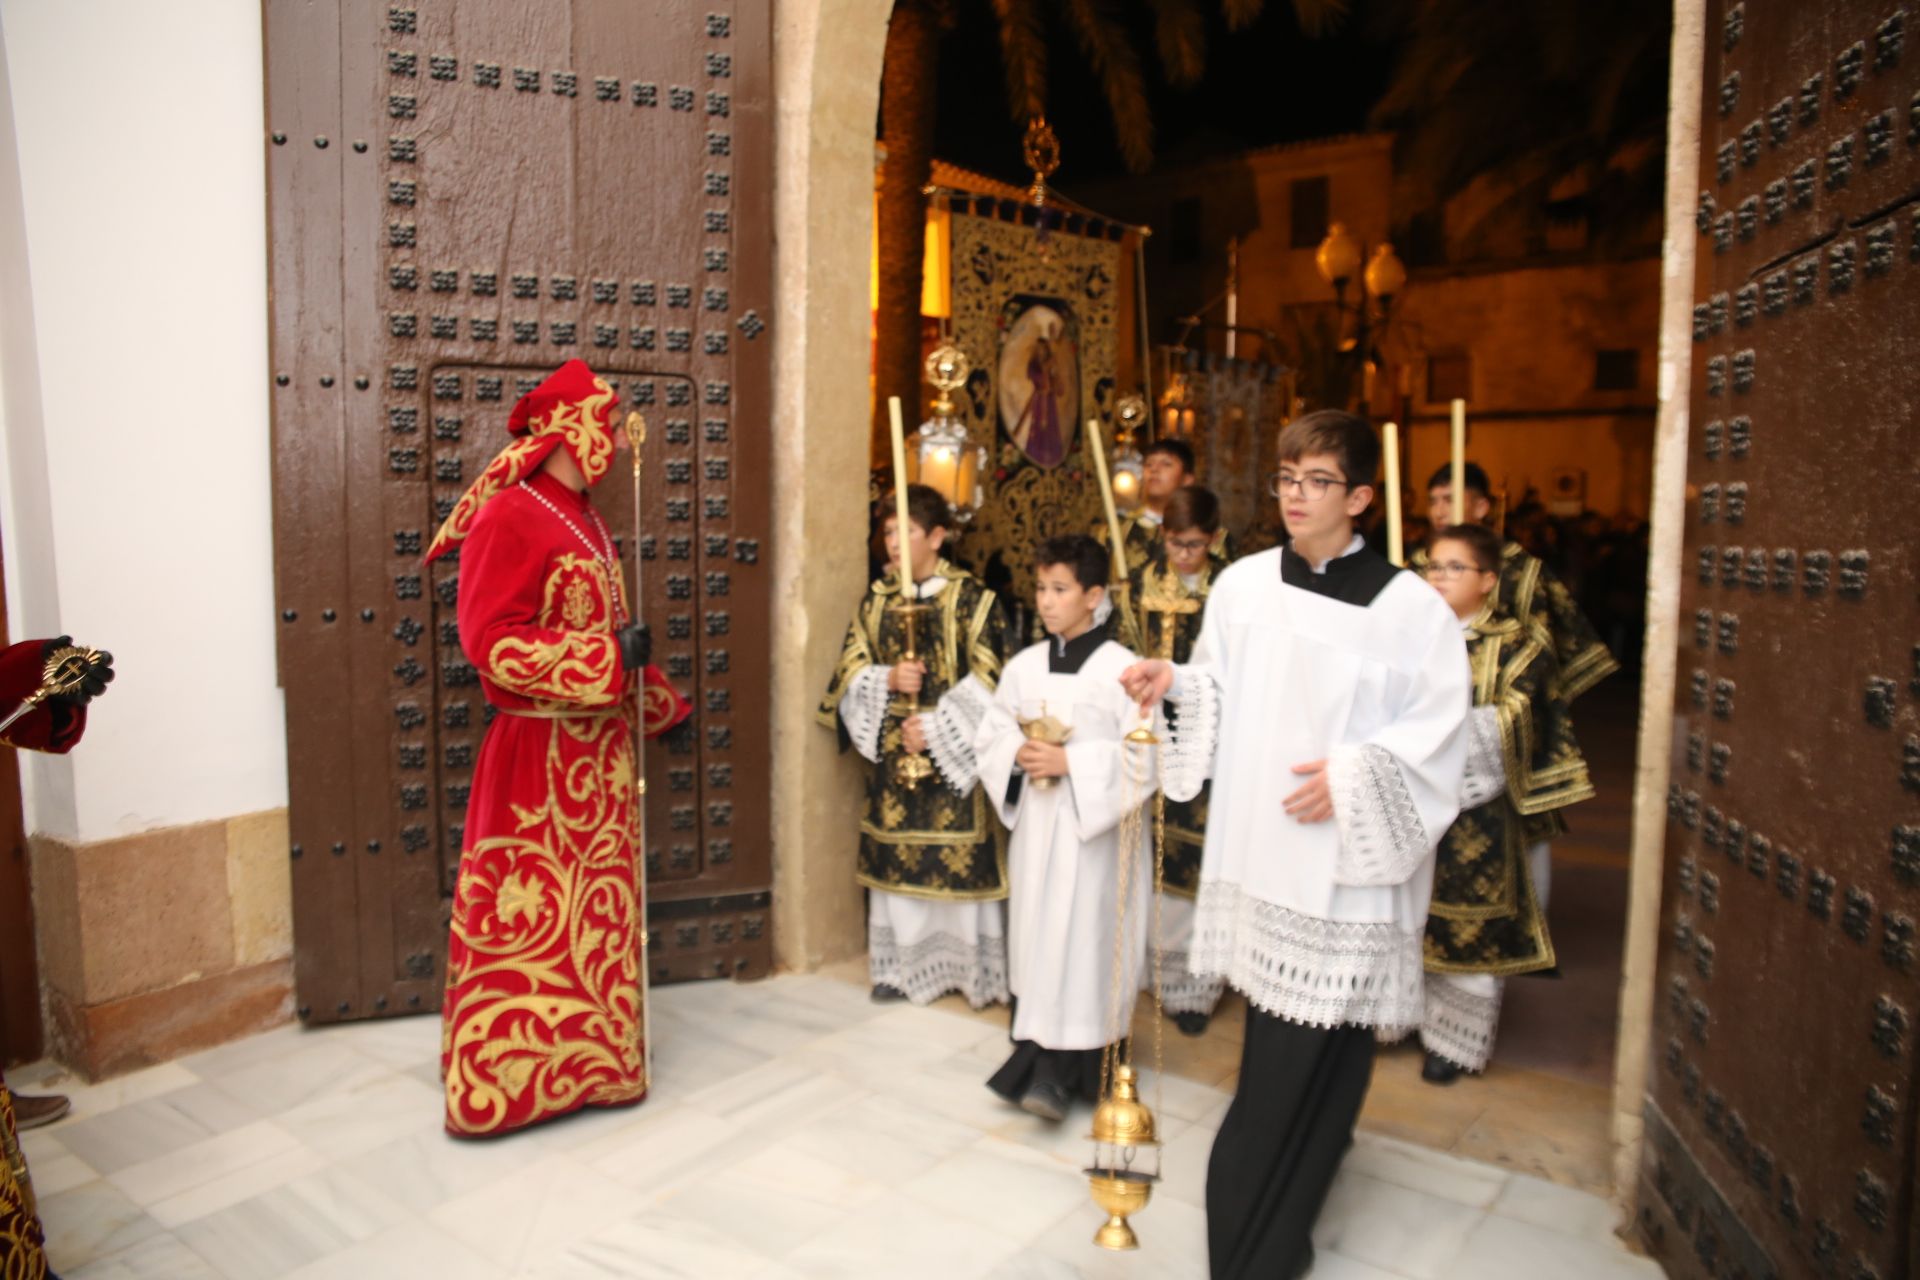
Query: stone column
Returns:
{"type": "Point", "coordinates": [1668, 517]}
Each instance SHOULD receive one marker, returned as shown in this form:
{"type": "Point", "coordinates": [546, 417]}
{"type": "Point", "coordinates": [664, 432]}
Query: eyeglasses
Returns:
{"type": "Point", "coordinates": [1452, 569]}
{"type": "Point", "coordinates": [1312, 485]}
{"type": "Point", "coordinates": [1191, 546]}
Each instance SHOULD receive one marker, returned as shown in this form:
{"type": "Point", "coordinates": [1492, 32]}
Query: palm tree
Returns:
{"type": "Point", "coordinates": [1528, 97]}
{"type": "Point", "coordinates": [908, 87]}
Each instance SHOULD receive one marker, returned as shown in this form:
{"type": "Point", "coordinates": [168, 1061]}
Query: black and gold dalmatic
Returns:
{"type": "Point", "coordinates": [925, 841]}
{"type": "Point", "coordinates": [1531, 593]}
{"type": "Point", "coordinates": [1167, 614]}
{"type": "Point", "coordinates": [1485, 917]}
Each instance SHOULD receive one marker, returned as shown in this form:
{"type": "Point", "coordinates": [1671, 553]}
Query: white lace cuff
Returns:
{"type": "Point", "coordinates": [1188, 758]}
{"type": "Point", "coordinates": [1486, 775]}
{"type": "Point", "coordinates": [1382, 839]}
{"type": "Point", "coordinates": [863, 708]}
{"type": "Point", "coordinates": [950, 728]}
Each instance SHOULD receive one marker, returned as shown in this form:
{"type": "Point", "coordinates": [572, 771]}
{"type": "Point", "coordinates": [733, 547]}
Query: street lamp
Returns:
{"type": "Point", "coordinates": [1385, 277]}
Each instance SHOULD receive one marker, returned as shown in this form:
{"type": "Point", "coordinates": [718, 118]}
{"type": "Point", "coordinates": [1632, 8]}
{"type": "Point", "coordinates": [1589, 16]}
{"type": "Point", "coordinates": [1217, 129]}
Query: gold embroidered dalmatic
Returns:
{"type": "Point", "coordinates": [1484, 916]}
{"type": "Point", "coordinates": [927, 842]}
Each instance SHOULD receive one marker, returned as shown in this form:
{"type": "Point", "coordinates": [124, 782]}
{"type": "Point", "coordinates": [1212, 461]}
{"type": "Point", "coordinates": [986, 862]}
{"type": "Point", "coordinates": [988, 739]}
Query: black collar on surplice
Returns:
{"type": "Point", "coordinates": [1066, 657]}
{"type": "Point", "coordinates": [1355, 578]}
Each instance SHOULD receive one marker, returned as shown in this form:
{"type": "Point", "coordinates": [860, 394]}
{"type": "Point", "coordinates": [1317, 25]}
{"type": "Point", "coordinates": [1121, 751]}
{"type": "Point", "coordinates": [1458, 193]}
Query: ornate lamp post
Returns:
{"type": "Point", "coordinates": [943, 457]}
{"type": "Point", "coordinates": [1338, 259]}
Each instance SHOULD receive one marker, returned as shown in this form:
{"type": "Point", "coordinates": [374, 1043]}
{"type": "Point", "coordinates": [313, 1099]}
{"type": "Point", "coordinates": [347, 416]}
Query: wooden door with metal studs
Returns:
{"type": "Point", "coordinates": [1781, 1113]}
{"type": "Point", "coordinates": [463, 195]}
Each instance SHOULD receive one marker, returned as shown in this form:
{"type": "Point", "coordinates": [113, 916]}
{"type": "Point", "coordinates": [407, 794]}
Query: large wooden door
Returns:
{"type": "Point", "coordinates": [1783, 1116]}
{"type": "Point", "coordinates": [463, 195]}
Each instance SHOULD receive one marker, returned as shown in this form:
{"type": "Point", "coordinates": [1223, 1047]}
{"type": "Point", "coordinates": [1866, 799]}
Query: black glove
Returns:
{"type": "Point", "coordinates": [680, 738]}
{"type": "Point", "coordinates": [636, 645]}
{"type": "Point", "coordinates": [98, 677]}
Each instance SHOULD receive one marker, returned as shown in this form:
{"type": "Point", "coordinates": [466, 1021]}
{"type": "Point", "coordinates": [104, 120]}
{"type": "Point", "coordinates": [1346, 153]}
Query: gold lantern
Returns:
{"type": "Point", "coordinates": [943, 457]}
{"type": "Point", "coordinates": [1129, 468]}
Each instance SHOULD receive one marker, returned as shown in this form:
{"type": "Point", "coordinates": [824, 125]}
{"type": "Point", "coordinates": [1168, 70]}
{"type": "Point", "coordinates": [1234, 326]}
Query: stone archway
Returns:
{"type": "Point", "coordinates": [827, 60]}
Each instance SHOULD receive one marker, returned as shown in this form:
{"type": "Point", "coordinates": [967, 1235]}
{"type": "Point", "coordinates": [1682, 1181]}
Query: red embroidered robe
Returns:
{"type": "Point", "coordinates": [543, 1011]}
{"type": "Point", "coordinates": [54, 728]}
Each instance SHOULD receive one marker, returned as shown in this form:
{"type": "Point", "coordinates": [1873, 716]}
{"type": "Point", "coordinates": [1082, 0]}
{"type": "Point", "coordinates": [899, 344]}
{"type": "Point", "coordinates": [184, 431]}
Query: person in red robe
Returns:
{"type": "Point", "coordinates": [543, 1012]}
{"type": "Point", "coordinates": [54, 724]}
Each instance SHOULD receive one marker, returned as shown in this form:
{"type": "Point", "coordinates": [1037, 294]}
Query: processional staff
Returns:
{"type": "Point", "coordinates": [636, 426]}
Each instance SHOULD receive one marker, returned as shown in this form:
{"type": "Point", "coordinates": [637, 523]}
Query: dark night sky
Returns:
{"type": "Point", "coordinates": [1265, 85]}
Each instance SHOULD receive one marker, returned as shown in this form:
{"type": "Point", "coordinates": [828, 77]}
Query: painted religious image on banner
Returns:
{"type": "Point", "coordinates": [1039, 377]}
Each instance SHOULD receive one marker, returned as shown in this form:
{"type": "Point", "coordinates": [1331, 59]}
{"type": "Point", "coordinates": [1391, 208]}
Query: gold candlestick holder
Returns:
{"type": "Point", "coordinates": [910, 768]}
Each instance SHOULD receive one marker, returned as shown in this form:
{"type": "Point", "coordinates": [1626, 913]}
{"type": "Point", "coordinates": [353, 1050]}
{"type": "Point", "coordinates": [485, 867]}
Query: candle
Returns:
{"type": "Point", "coordinates": [939, 470]}
{"type": "Point", "coordinates": [1459, 462]}
{"type": "Point", "coordinates": [1099, 452]}
{"type": "Point", "coordinates": [1390, 438]}
{"type": "Point", "coordinates": [901, 527]}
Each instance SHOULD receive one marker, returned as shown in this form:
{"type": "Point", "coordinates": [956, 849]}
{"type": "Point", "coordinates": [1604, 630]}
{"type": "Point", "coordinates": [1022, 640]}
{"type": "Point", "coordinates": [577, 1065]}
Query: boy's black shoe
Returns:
{"type": "Point", "coordinates": [1439, 1070]}
{"type": "Point", "coordinates": [885, 993]}
{"type": "Point", "coordinates": [1046, 1100]}
{"type": "Point", "coordinates": [1192, 1024]}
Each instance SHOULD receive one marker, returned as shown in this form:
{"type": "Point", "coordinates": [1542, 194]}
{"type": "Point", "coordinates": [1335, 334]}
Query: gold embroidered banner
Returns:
{"type": "Point", "coordinates": [1037, 317]}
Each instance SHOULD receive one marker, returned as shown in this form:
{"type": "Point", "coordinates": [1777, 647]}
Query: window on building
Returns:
{"type": "Point", "coordinates": [1449, 377]}
{"type": "Point", "coordinates": [1309, 198]}
{"type": "Point", "coordinates": [1183, 230]}
{"type": "Point", "coordinates": [1616, 370]}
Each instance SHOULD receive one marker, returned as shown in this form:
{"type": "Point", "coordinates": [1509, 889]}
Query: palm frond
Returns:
{"type": "Point", "coordinates": [1023, 50]}
{"type": "Point", "coordinates": [1180, 37]}
{"type": "Point", "coordinates": [1103, 38]}
{"type": "Point", "coordinates": [1316, 17]}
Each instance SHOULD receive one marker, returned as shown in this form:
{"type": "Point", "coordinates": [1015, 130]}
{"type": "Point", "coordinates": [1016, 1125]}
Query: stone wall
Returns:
{"type": "Point", "coordinates": [162, 943]}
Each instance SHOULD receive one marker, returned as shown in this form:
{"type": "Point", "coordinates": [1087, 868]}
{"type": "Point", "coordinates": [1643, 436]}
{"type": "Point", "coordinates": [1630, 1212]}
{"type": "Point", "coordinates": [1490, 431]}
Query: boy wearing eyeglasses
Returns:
{"type": "Point", "coordinates": [1169, 597]}
{"type": "Point", "coordinates": [1485, 922]}
{"type": "Point", "coordinates": [1529, 591]}
{"type": "Point", "coordinates": [1327, 699]}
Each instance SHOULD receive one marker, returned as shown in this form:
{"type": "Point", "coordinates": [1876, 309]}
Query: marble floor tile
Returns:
{"type": "Point", "coordinates": [1550, 1205]}
{"type": "Point", "coordinates": [367, 1107]}
{"type": "Point", "coordinates": [1500, 1248]}
{"type": "Point", "coordinates": [545, 1207]}
{"type": "Point", "coordinates": [417, 1174]}
{"type": "Point", "coordinates": [795, 1130]}
{"type": "Point", "coordinates": [1423, 1169]}
{"type": "Point", "coordinates": [265, 1235]}
{"type": "Point", "coordinates": [667, 1149]}
{"type": "Point", "coordinates": [1002, 1186]}
{"type": "Point", "coordinates": [298, 1076]}
{"type": "Point", "coordinates": [883, 1138]}
{"type": "Point", "coordinates": [155, 1127]}
{"type": "Point", "coordinates": [94, 1099]}
{"type": "Point", "coordinates": [158, 1179]}
{"type": "Point", "coordinates": [1406, 1232]}
{"type": "Point", "coordinates": [416, 1250]}
{"type": "Point", "coordinates": [92, 1221]}
{"type": "Point", "coordinates": [161, 1257]}
{"type": "Point", "coordinates": [776, 1200]}
{"type": "Point", "coordinates": [656, 1244]}
{"type": "Point", "coordinates": [900, 1236]}
{"type": "Point", "coordinates": [775, 1098]}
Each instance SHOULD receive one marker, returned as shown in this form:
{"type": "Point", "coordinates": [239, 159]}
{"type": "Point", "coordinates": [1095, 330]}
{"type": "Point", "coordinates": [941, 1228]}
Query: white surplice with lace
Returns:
{"type": "Point", "coordinates": [1320, 923]}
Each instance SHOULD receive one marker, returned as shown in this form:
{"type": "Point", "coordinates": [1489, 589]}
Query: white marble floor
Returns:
{"type": "Point", "coordinates": [795, 1130]}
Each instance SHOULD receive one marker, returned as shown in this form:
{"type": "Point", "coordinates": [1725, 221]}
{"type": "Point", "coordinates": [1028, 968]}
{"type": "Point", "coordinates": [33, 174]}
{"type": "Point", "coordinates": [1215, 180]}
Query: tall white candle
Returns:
{"type": "Point", "coordinates": [901, 527]}
{"type": "Point", "coordinates": [1459, 462]}
{"type": "Point", "coordinates": [1390, 438]}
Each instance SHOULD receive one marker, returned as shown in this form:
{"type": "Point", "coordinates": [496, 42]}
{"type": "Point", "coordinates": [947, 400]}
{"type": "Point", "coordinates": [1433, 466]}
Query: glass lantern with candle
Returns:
{"type": "Point", "coordinates": [1129, 467]}
{"type": "Point", "coordinates": [943, 457]}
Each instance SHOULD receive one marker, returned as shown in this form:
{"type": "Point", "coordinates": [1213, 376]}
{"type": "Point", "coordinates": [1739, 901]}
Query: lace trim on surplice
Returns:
{"type": "Point", "coordinates": [1324, 973]}
{"type": "Point", "coordinates": [940, 963]}
{"type": "Point", "coordinates": [1460, 1025]}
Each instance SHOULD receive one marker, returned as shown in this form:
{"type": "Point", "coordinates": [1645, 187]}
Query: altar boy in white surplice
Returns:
{"type": "Point", "coordinates": [1327, 697]}
{"type": "Point", "coordinates": [1064, 804]}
